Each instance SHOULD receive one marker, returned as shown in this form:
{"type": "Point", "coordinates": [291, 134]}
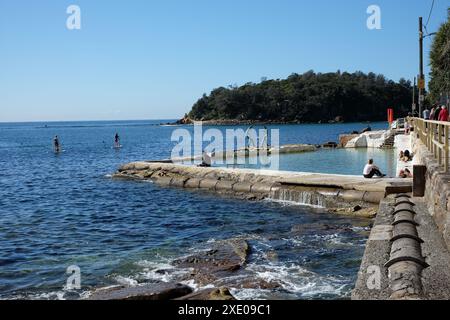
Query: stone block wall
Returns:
{"type": "Point", "coordinates": [437, 192]}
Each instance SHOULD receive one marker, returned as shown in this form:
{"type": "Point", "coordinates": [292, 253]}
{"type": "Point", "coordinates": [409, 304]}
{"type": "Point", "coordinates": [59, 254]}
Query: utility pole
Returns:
{"type": "Point", "coordinates": [414, 97]}
{"type": "Point", "coordinates": [421, 75]}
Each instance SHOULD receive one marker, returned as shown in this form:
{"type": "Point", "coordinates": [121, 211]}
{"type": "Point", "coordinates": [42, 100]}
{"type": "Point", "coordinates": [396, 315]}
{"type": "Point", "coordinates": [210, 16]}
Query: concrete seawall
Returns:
{"type": "Point", "coordinates": [246, 152]}
{"type": "Point", "coordinates": [437, 189]}
{"type": "Point", "coordinates": [327, 190]}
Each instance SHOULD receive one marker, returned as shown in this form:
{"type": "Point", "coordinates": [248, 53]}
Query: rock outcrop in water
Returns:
{"type": "Point", "coordinates": [159, 291]}
{"type": "Point", "coordinates": [223, 258]}
{"type": "Point", "coordinates": [207, 267]}
{"type": "Point", "coordinates": [220, 294]}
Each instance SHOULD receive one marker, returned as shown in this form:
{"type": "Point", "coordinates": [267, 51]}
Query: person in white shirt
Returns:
{"type": "Point", "coordinates": [371, 170]}
{"type": "Point", "coordinates": [206, 159]}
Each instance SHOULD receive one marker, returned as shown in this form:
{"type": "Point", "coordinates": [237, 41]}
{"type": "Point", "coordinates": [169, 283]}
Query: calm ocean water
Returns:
{"type": "Point", "coordinates": [63, 210]}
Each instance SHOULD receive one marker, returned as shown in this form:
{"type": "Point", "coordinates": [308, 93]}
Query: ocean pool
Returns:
{"type": "Point", "coordinates": [332, 161]}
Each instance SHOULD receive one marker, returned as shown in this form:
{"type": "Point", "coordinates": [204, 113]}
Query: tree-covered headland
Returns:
{"type": "Point", "coordinates": [307, 98]}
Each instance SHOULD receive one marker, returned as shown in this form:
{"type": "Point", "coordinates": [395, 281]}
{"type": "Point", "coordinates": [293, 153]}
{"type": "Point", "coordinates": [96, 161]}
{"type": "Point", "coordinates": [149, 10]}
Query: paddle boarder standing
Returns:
{"type": "Point", "coordinates": [56, 144]}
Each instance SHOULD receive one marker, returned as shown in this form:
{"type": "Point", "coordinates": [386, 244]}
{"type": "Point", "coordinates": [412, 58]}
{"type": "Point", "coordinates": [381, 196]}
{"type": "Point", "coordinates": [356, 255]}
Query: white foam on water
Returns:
{"type": "Point", "coordinates": [294, 279]}
{"type": "Point", "coordinates": [161, 271]}
{"type": "Point", "coordinates": [250, 294]}
{"type": "Point", "coordinates": [195, 286]}
{"type": "Point", "coordinates": [294, 203]}
{"type": "Point", "coordinates": [296, 242]}
{"type": "Point", "coordinates": [335, 239]}
{"type": "Point", "coordinates": [51, 295]}
{"type": "Point", "coordinates": [360, 229]}
{"type": "Point", "coordinates": [161, 264]}
{"type": "Point", "coordinates": [127, 281]}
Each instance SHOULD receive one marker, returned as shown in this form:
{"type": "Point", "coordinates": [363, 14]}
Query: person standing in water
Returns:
{"type": "Point", "coordinates": [117, 141]}
{"type": "Point", "coordinates": [56, 144]}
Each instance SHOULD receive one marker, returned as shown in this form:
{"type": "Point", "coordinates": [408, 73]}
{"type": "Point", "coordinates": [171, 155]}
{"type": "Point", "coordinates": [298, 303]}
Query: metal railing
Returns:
{"type": "Point", "coordinates": [435, 136]}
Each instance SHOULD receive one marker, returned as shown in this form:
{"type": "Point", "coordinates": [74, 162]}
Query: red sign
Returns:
{"type": "Point", "coordinates": [390, 115]}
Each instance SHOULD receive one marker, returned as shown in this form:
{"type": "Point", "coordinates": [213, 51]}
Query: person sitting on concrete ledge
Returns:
{"type": "Point", "coordinates": [407, 128]}
{"type": "Point", "coordinates": [407, 157]}
{"type": "Point", "coordinates": [405, 174]}
{"type": "Point", "coordinates": [206, 160]}
{"type": "Point", "coordinates": [371, 170]}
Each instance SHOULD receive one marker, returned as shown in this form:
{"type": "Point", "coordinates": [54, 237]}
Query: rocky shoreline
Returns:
{"type": "Point", "coordinates": [206, 268]}
{"type": "Point", "coordinates": [231, 122]}
{"type": "Point", "coordinates": [216, 270]}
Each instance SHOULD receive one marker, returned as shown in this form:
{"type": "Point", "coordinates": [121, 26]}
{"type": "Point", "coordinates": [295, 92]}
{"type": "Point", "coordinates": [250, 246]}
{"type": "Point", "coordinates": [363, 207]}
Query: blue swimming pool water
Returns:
{"type": "Point", "coordinates": [62, 210]}
{"type": "Point", "coordinates": [333, 161]}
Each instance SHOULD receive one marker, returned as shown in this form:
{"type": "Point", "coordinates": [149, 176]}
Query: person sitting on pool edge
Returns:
{"type": "Point", "coordinates": [371, 170]}
{"type": "Point", "coordinates": [405, 174]}
{"type": "Point", "coordinates": [206, 160]}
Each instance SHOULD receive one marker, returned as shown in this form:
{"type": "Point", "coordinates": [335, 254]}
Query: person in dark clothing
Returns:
{"type": "Point", "coordinates": [117, 141]}
{"type": "Point", "coordinates": [437, 113]}
{"type": "Point", "coordinates": [56, 144]}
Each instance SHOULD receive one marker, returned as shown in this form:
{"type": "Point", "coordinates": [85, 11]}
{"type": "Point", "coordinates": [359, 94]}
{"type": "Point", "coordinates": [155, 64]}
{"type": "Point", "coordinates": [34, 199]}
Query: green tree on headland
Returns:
{"type": "Point", "coordinates": [439, 84]}
{"type": "Point", "coordinates": [308, 97]}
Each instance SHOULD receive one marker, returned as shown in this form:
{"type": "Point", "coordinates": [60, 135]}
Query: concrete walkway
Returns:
{"type": "Point", "coordinates": [435, 280]}
{"type": "Point", "coordinates": [402, 143]}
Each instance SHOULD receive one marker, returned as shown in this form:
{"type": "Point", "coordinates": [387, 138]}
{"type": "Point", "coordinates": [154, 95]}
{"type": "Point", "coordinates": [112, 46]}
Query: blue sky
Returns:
{"type": "Point", "coordinates": [153, 59]}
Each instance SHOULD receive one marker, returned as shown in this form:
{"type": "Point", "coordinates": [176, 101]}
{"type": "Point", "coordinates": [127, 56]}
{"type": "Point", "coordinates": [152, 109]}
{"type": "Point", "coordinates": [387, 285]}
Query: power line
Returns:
{"type": "Point", "coordinates": [429, 16]}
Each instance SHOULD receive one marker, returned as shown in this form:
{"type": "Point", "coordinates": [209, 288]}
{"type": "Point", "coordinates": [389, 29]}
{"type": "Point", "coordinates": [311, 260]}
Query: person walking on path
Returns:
{"type": "Point", "coordinates": [436, 113]}
{"type": "Point", "coordinates": [443, 115]}
{"type": "Point", "coordinates": [432, 113]}
{"type": "Point", "coordinates": [426, 114]}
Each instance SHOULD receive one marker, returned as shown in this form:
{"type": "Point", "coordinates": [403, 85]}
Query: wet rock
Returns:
{"type": "Point", "coordinates": [368, 129]}
{"type": "Point", "coordinates": [272, 256]}
{"type": "Point", "coordinates": [185, 120]}
{"type": "Point", "coordinates": [330, 144]}
{"type": "Point", "coordinates": [223, 259]}
{"type": "Point", "coordinates": [317, 227]}
{"type": "Point", "coordinates": [71, 295]}
{"type": "Point", "coordinates": [259, 284]}
{"type": "Point", "coordinates": [369, 212]}
{"type": "Point", "coordinates": [222, 294]}
{"type": "Point", "coordinates": [253, 197]}
{"type": "Point", "coordinates": [159, 291]}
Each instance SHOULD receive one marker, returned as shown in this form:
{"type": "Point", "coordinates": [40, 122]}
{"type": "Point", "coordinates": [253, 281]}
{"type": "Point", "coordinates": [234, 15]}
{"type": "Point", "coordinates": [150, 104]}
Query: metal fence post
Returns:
{"type": "Point", "coordinates": [446, 160]}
